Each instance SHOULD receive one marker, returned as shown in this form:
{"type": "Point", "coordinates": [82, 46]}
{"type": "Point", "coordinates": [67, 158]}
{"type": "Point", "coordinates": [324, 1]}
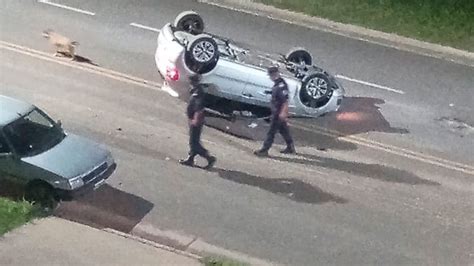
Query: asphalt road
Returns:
{"type": "Point", "coordinates": [341, 201]}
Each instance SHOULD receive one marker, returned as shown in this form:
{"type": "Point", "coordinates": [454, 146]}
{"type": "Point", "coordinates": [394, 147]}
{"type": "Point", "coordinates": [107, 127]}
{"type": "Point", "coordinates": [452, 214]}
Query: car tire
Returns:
{"type": "Point", "coordinates": [202, 54]}
{"type": "Point", "coordinates": [41, 193]}
{"type": "Point", "coordinates": [189, 21]}
{"type": "Point", "coordinates": [315, 90]}
{"type": "Point", "coordinates": [299, 55]}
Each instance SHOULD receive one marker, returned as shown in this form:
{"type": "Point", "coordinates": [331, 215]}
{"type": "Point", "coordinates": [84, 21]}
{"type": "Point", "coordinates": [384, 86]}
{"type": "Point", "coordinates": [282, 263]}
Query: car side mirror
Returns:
{"type": "Point", "coordinates": [59, 123]}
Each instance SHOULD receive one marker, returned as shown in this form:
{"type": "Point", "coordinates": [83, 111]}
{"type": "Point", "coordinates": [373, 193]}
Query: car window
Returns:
{"type": "Point", "coordinates": [3, 145]}
{"type": "Point", "coordinates": [33, 133]}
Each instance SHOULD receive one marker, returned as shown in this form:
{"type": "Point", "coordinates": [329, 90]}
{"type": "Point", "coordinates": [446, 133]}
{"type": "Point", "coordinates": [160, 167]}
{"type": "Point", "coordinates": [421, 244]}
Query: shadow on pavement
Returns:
{"type": "Point", "coordinates": [359, 115]}
{"type": "Point", "coordinates": [293, 189]}
{"type": "Point", "coordinates": [242, 128]}
{"type": "Point", "coordinates": [375, 171]}
{"type": "Point", "coordinates": [10, 189]}
{"type": "Point", "coordinates": [86, 60]}
{"type": "Point", "coordinates": [106, 207]}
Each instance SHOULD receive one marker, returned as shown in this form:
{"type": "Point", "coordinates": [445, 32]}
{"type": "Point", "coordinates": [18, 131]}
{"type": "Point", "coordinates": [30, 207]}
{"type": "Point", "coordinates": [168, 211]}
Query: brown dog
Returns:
{"type": "Point", "coordinates": [62, 44]}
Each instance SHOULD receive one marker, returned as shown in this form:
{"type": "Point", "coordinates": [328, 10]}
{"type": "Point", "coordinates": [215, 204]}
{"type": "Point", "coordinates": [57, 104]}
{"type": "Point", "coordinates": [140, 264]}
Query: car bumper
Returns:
{"type": "Point", "coordinates": [89, 187]}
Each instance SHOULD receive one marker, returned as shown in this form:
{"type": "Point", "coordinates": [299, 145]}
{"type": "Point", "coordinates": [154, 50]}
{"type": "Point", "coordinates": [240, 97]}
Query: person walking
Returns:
{"type": "Point", "coordinates": [195, 114]}
{"type": "Point", "coordinates": [279, 116]}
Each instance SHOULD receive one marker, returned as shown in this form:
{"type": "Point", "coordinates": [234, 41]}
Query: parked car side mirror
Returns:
{"type": "Point", "coordinates": [59, 123]}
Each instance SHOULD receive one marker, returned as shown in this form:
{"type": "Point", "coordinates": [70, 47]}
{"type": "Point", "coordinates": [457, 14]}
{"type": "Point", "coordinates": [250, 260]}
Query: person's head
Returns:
{"type": "Point", "coordinates": [273, 73]}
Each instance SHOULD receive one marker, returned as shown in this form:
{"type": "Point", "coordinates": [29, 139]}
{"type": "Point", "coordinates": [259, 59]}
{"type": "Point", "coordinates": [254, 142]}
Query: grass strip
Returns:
{"type": "Point", "coordinates": [446, 22]}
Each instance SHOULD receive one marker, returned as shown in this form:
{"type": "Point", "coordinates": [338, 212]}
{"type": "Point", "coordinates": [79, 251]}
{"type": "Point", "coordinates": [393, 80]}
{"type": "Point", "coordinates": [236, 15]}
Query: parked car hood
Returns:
{"type": "Point", "coordinates": [72, 157]}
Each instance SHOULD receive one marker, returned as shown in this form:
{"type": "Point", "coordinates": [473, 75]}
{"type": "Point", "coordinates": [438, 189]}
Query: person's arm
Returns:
{"type": "Point", "coordinates": [284, 112]}
{"type": "Point", "coordinates": [197, 118]}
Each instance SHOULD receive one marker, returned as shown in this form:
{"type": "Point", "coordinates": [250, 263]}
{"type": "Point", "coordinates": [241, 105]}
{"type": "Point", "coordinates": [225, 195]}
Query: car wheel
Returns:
{"type": "Point", "coordinates": [316, 87]}
{"type": "Point", "coordinates": [42, 194]}
{"type": "Point", "coordinates": [189, 21]}
{"type": "Point", "coordinates": [202, 54]}
{"type": "Point", "coordinates": [299, 56]}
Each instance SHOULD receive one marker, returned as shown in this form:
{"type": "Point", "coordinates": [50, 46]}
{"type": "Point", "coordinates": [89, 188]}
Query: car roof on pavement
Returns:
{"type": "Point", "coordinates": [11, 109]}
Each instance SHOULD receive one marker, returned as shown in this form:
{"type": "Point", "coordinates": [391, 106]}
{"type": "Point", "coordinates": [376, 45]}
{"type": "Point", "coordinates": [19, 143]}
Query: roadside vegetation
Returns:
{"type": "Point", "coordinates": [447, 22]}
{"type": "Point", "coordinates": [16, 213]}
{"type": "Point", "coordinates": [221, 261]}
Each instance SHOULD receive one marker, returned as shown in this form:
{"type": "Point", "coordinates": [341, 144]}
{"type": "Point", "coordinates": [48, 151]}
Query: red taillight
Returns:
{"type": "Point", "coordinates": [172, 73]}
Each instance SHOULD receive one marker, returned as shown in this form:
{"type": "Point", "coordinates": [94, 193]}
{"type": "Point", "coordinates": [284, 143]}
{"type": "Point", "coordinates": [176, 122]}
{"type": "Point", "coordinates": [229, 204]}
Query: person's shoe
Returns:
{"type": "Point", "coordinates": [188, 161]}
{"type": "Point", "coordinates": [261, 153]}
{"type": "Point", "coordinates": [288, 150]}
{"type": "Point", "coordinates": [210, 162]}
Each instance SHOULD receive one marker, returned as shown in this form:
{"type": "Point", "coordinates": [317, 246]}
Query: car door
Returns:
{"type": "Point", "coordinates": [227, 80]}
{"type": "Point", "coordinates": [258, 88]}
{"type": "Point", "coordinates": [9, 165]}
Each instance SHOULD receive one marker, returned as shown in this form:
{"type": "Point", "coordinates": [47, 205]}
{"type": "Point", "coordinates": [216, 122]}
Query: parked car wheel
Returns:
{"type": "Point", "coordinates": [189, 21]}
{"type": "Point", "coordinates": [316, 87]}
{"type": "Point", "coordinates": [41, 193]}
{"type": "Point", "coordinates": [299, 56]}
{"type": "Point", "coordinates": [202, 54]}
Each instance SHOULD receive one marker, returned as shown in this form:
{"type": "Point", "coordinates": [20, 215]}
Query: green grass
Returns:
{"type": "Point", "coordinates": [221, 261]}
{"type": "Point", "coordinates": [447, 22]}
{"type": "Point", "coordinates": [14, 214]}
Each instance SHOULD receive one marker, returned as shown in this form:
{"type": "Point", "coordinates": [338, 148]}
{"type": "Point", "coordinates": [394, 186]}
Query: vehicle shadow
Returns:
{"type": "Point", "coordinates": [374, 171]}
{"type": "Point", "coordinates": [256, 130]}
{"type": "Point", "coordinates": [290, 188]}
{"type": "Point", "coordinates": [11, 189]}
{"type": "Point", "coordinates": [357, 115]}
{"type": "Point", "coordinates": [107, 207]}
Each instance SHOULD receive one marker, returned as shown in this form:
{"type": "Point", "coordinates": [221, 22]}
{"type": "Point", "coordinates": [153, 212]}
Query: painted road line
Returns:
{"type": "Point", "coordinates": [89, 68]}
{"type": "Point", "coordinates": [137, 25]}
{"type": "Point", "coordinates": [47, 2]}
{"type": "Point", "coordinates": [447, 164]}
{"type": "Point", "coordinates": [429, 159]}
{"type": "Point", "coordinates": [370, 84]}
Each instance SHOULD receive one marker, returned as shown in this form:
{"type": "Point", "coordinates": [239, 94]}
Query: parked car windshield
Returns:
{"type": "Point", "coordinates": [33, 134]}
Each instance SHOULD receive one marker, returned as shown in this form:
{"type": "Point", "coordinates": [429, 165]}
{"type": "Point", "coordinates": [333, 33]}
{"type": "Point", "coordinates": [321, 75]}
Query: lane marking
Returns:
{"type": "Point", "coordinates": [89, 68]}
{"type": "Point", "coordinates": [141, 26]}
{"type": "Point", "coordinates": [373, 37]}
{"type": "Point", "coordinates": [467, 169]}
{"type": "Point", "coordinates": [463, 168]}
{"type": "Point", "coordinates": [47, 2]}
{"type": "Point", "coordinates": [370, 84]}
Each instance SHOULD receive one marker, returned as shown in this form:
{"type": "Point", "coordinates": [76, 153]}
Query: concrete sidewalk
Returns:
{"type": "Point", "coordinates": [54, 241]}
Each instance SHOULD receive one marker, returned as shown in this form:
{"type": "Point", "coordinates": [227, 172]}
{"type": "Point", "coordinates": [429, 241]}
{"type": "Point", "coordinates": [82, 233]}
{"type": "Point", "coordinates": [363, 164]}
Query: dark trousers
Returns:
{"type": "Point", "coordinates": [195, 142]}
{"type": "Point", "coordinates": [277, 125]}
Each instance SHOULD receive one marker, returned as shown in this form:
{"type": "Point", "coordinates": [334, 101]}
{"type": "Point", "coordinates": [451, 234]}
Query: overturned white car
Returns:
{"type": "Point", "coordinates": [236, 77]}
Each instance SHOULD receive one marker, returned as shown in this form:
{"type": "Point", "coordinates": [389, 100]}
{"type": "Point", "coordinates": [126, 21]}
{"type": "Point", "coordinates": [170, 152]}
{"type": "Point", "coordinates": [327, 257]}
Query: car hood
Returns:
{"type": "Point", "coordinates": [72, 157]}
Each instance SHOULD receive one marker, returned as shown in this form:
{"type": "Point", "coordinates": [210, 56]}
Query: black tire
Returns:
{"type": "Point", "coordinates": [315, 89]}
{"type": "Point", "coordinates": [41, 193]}
{"type": "Point", "coordinates": [202, 54]}
{"type": "Point", "coordinates": [189, 21]}
{"type": "Point", "coordinates": [299, 55]}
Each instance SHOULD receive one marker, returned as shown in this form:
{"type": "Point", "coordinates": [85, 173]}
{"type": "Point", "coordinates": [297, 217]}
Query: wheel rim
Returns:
{"type": "Point", "coordinates": [203, 51]}
{"type": "Point", "coordinates": [317, 88]}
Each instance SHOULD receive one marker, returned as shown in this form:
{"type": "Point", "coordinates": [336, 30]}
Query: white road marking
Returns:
{"type": "Point", "coordinates": [144, 27]}
{"type": "Point", "coordinates": [370, 84]}
{"type": "Point", "coordinates": [67, 7]}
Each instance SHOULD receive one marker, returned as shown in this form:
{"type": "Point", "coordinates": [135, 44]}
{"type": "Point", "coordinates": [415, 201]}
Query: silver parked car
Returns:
{"type": "Point", "coordinates": [236, 76]}
{"type": "Point", "coordinates": [52, 164]}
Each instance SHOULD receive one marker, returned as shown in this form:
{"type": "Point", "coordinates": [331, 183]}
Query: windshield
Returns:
{"type": "Point", "coordinates": [33, 134]}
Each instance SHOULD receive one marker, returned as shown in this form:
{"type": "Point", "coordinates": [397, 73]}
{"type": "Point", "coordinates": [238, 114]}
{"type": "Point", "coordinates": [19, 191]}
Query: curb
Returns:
{"type": "Point", "coordinates": [189, 245]}
{"type": "Point", "coordinates": [355, 32]}
{"type": "Point", "coordinates": [152, 243]}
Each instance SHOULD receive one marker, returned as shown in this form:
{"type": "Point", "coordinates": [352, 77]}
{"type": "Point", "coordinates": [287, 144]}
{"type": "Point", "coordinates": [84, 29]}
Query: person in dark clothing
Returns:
{"type": "Point", "coordinates": [195, 113]}
{"type": "Point", "coordinates": [279, 116]}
